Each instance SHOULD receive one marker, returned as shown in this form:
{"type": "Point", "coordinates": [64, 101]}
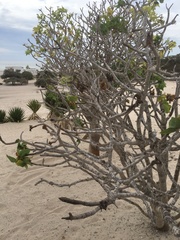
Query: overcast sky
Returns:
{"type": "Point", "coordinates": [18, 17]}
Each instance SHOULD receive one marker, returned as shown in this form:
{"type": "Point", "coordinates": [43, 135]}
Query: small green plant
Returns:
{"type": "Point", "coordinates": [54, 103]}
{"type": "Point", "coordinates": [2, 116]}
{"type": "Point", "coordinates": [16, 114]}
{"type": "Point", "coordinates": [34, 105]}
{"type": "Point", "coordinates": [59, 104]}
{"type": "Point", "coordinates": [21, 158]}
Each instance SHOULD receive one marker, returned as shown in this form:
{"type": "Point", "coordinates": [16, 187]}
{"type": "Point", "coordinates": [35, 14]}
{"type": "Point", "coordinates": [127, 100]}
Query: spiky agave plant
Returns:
{"type": "Point", "coordinates": [34, 105]}
{"type": "Point", "coordinates": [16, 114]}
{"type": "Point", "coordinates": [2, 116]}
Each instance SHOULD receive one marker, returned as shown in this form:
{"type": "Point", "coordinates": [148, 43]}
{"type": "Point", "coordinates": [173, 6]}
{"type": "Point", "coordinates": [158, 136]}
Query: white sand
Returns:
{"type": "Point", "coordinates": [29, 212]}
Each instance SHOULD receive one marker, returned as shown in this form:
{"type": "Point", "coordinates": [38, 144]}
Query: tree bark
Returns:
{"type": "Point", "coordinates": [94, 140]}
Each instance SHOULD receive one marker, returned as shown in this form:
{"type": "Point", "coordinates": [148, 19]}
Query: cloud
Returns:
{"type": "Point", "coordinates": [18, 17]}
{"type": "Point", "coordinates": [19, 14]}
{"type": "Point", "coordinates": [5, 50]}
{"type": "Point", "coordinates": [23, 14]}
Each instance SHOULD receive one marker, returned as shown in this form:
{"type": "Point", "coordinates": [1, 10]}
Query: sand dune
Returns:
{"type": "Point", "coordinates": [29, 212]}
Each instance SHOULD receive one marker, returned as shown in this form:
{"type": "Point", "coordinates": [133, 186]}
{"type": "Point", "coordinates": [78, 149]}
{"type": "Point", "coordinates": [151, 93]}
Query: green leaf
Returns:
{"type": "Point", "coordinates": [161, 84]}
{"type": "Point", "coordinates": [174, 125]}
{"type": "Point", "coordinates": [27, 162]}
{"type": "Point", "coordinates": [121, 3]}
{"type": "Point", "coordinates": [28, 51]}
{"type": "Point", "coordinates": [168, 131]}
{"type": "Point", "coordinates": [21, 145]}
{"type": "Point", "coordinates": [104, 28]}
{"type": "Point", "coordinates": [166, 106]}
{"type": "Point", "coordinates": [23, 162]}
{"type": "Point", "coordinates": [23, 153]}
{"type": "Point", "coordinates": [71, 100]}
{"type": "Point", "coordinates": [12, 159]}
{"type": "Point", "coordinates": [78, 122]}
{"type": "Point", "coordinates": [37, 29]}
{"type": "Point", "coordinates": [20, 163]}
{"type": "Point", "coordinates": [174, 122]}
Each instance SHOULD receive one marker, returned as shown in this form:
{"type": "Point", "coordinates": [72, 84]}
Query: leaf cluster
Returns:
{"type": "Point", "coordinates": [115, 24]}
{"type": "Point", "coordinates": [34, 105]}
{"type": "Point", "coordinates": [60, 103]}
{"type": "Point", "coordinates": [22, 153]}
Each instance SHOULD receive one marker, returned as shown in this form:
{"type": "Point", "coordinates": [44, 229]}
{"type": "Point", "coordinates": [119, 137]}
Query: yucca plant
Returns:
{"type": "Point", "coordinates": [34, 105]}
{"type": "Point", "coordinates": [2, 116]}
{"type": "Point", "coordinates": [16, 114]}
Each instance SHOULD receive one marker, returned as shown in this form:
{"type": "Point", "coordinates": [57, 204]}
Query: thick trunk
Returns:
{"type": "Point", "coordinates": [94, 142]}
{"type": "Point", "coordinates": [160, 223]}
{"type": "Point", "coordinates": [94, 139]}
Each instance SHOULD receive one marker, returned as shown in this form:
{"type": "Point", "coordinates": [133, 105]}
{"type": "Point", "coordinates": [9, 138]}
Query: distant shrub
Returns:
{"type": "Point", "coordinates": [2, 116]}
{"type": "Point", "coordinates": [16, 81]}
{"type": "Point", "coordinates": [171, 63]}
{"type": "Point", "coordinates": [16, 77]}
{"type": "Point", "coordinates": [16, 114]}
{"type": "Point", "coordinates": [45, 78]}
{"type": "Point", "coordinates": [40, 83]}
{"type": "Point", "coordinates": [10, 73]}
{"type": "Point", "coordinates": [27, 75]}
{"type": "Point", "coordinates": [34, 105]}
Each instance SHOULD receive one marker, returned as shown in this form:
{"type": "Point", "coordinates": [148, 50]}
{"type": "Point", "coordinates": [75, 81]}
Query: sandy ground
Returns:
{"type": "Point", "coordinates": [29, 212]}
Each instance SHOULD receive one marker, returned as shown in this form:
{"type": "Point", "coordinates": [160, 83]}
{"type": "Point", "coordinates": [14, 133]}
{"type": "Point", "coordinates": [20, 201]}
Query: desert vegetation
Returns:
{"type": "Point", "coordinates": [34, 105]}
{"type": "Point", "coordinates": [171, 63]}
{"type": "Point", "coordinates": [16, 77]}
{"type": "Point", "coordinates": [44, 78]}
{"type": "Point", "coordinates": [111, 58]}
{"type": "Point", "coordinates": [2, 116]}
{"type": "Point", "coordinates": [16, 114]}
